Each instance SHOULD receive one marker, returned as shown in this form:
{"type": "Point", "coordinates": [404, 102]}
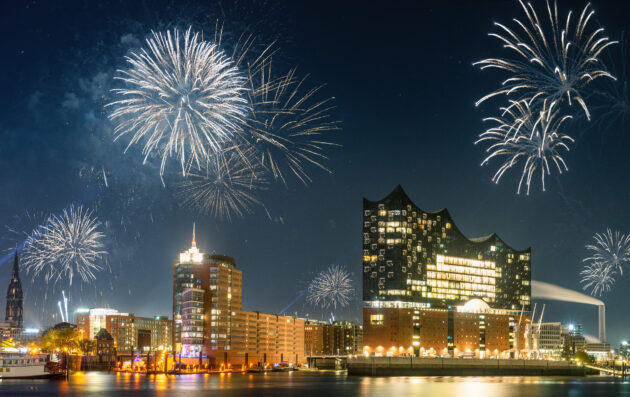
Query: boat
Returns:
{"type": "Point", "coordinates": [27, 366]}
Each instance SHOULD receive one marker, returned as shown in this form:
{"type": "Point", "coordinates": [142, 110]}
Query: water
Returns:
{"type": "Point", "coordinates": [314, 384]}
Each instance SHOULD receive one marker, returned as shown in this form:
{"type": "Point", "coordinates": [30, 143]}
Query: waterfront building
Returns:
{"type": "Point", "coordinates": [210, 324]}
{"type": "Point", "coordinates": [599, 350]}
{"type": "Point", "coordinates": [105, 347]}
{"type": "Point", "coordinates": [427, 287]}
{"type": "Point", "coordinates": [13, 316]}
{"type": "Point", "coordinates": [550, 340]}
{"type": "Point", "coordinates": [131, 333]}
{"type": "Point", "coordinates": [218, 277]}
{"type": "Point", "coordinates": [340, 338]}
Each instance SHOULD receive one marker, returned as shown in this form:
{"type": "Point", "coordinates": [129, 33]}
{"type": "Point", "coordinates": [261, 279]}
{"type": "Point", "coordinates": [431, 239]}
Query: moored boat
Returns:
{"type": "Point", "coordinates": [25, 366]}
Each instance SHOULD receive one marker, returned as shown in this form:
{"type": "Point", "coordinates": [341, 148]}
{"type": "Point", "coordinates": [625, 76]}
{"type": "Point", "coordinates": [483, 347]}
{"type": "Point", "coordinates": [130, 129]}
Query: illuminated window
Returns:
{"type": "Point", "coordinates": [376, 319]}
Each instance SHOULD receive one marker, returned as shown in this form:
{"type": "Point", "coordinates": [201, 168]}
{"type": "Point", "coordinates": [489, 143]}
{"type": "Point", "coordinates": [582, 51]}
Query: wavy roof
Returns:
{"type": "Point", "coordinates": [398, 194]}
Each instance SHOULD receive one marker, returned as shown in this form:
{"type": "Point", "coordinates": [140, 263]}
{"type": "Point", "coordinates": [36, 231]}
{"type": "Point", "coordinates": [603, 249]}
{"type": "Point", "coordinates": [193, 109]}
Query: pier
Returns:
{"type": "Point", "coordinates": [419, 366]}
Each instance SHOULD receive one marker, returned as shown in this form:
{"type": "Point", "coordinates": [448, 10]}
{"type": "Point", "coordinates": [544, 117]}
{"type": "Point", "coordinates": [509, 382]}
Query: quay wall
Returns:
{"type": "Point", "coordinates": [419, 366]}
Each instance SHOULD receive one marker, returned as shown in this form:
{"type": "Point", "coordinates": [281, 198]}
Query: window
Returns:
{"type": "Point", "coordinates": [376, 319]}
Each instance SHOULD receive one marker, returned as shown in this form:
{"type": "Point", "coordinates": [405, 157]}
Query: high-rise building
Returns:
{"type": "Point", "coordinates": [210, 325]}
{"type": "Point", "coordinates": [14, 297]}
{"type": "Point", "coordinates": [218, 278]}
{"type": "Point", "coordinates": [428, 286]}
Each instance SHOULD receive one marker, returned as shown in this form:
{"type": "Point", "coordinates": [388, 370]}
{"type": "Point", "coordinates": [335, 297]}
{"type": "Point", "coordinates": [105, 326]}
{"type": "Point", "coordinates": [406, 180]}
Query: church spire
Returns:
{"type": "Point", "coordinates": [14, 297]}
{"type": "Point", "coordinates": [16, 269]}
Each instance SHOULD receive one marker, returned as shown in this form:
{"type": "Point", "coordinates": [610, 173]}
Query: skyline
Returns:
{"type": "Point", "coordinates": [416, 129]}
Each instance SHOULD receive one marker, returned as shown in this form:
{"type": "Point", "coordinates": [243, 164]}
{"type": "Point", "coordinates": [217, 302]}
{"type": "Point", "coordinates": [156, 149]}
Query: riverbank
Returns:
{"type": "Point", "coordinates": [416, 366]}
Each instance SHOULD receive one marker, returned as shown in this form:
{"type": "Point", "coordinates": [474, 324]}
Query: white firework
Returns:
{"type": "Point", "coordinates": [183, 97]}
{"type": "Point", "coordinates": [226, 185]}
{"type": "Point", "coordinates": [65, 245]}
{"type": "Point", "coordinates": [598, 277]}
{"type": "Point", "coordinates": [331, 287]}
{"type": "Point", "coordinates": [552, 57]}
{"type": "Point", "coordinates": [610, 249]}
{"type": "Point", "coordinates": [523, 134]}
{"type": "Point", "coordinates": [288, 124]}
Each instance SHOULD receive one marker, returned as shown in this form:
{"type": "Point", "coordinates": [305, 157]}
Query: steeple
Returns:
{"type": "Point", "coordinates": [194, 242]}
{"type": "Point", "coordinates": [14, 297]}
{"type": "Point", "coordinates": [16, 268]}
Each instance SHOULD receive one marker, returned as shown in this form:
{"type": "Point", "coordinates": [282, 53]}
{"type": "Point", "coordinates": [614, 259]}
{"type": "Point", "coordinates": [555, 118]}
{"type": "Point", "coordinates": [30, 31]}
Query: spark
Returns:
{"type": "Point", "coordinates": [226, 186]}
{"type": "Point", "coordinates": [522, 134]}
{"type": "Point", "coordinates": [610, 249]}
{"type": "Point", "coordinates": [288, 124]}
{"type": "Point", "coordinates": [599, 277]}
{"type": "Point", "coordinates": [64, 245]}
{"type": "Point", "coordinates": [184, 97]}
{"type": "Point", "coordinates": [558, 61]}
{"type": "Point", "coordinates": [331, 287]}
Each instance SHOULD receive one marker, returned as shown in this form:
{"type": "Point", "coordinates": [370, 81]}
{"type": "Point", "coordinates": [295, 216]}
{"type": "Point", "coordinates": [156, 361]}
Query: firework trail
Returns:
{"type": "Point", "coordinates": [613, 97]}
{"type": "Point", "coordinates": [226, 186]}
{"type": "Point", "coordinates": [555, 58]}
{"type": "Point", "coordinates": [287, 124]}
{"type": "Point", "coordinates": [332, 287]}
{"type": "Point", "coordinates": [64, 245]}
{"type": "Point", "coordinates": [599, 277]}
{"type": "Point", "coordinates": [523, 135]}
{"type": "Point", "coordinates": [610, 249]}
{"type": "Point", "coordinates": [183, 97]}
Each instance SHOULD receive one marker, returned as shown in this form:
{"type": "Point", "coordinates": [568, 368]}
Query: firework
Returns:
{"type": "Point", "coordinates": [287, 124]}
{"type": "Point", "coordinates": [551, 57]}
{"type": "Point", "coordinates": [64, 245]}
{"type": "Point", "coordinates": [614, 97]}
{"type": "Point", "coordinates": [225, 186]}
{"type": "Point", "coordinates": [331, 287]}
{"type": "Point", "coordinates": [610, 249]}
{"type": "Point", "coordinates": [182, 96]}
{"type": "Point", "coordinates": [524, 135]}
{"type": "Point", "coordinates": [599, 277]}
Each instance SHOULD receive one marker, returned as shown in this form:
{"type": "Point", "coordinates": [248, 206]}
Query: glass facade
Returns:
{"type": "Point", "coordinates": [414, 258]}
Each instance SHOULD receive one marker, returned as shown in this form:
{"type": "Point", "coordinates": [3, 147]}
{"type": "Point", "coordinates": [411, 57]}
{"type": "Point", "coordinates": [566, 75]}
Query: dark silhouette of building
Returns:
{"type": "Point", "coordinates": [105, 347]}
{"type": "Point", "coordinates": [14, 297]}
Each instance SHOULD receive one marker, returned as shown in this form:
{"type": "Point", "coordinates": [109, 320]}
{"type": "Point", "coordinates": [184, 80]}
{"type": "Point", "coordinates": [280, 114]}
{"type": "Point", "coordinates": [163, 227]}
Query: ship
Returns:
{"type": "Point", "coordinates": [27, 366]}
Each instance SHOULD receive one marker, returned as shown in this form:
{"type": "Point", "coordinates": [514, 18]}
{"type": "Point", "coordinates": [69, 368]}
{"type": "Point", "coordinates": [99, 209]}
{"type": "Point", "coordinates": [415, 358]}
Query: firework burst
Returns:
{"type": "Point", "coordinates": [524, 135]}
{"type": "Point", "coordinates": [331, 287]}
{"type": "Point", "coordinates": [65, 245]}
{"type": "Point", "coordinates": [610, 249]}
{"type": "Point", "coordinates": [288, 124]}
{"type": "Point", "coordinates": [598, 277]}
{"type": "Point", "coordinates": [227, 185]}
{"type": "Point", "coordinates": [555, 58]}
{"type": "Point", "coordinates": [182, 97]}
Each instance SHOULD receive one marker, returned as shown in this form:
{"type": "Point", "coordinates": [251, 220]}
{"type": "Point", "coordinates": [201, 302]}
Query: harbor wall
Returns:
{"type": "Point", "coordinates": [419, 366]}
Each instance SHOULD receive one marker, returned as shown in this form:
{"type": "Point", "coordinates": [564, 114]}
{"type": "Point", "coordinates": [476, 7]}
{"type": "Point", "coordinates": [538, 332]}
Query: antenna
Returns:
{"type": "Point", "coordinates": [194, 242]}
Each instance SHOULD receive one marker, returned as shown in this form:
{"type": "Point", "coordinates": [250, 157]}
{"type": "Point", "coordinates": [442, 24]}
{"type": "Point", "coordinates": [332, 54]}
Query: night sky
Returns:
{"type": "Point", "coordinates": [404, 87]}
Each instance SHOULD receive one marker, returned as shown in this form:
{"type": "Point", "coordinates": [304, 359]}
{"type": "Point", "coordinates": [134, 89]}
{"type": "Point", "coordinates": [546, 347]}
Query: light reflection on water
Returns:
{"type": "Point", "coordinates": [304, 384]}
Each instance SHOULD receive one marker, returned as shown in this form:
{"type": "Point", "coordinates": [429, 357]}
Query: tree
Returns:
{"type": "Point", "coordinates": [88, 346]}
{"type": "Point", "coordinates": [583, 357]}
{"type": "Point", "coordinates": [61, 339]}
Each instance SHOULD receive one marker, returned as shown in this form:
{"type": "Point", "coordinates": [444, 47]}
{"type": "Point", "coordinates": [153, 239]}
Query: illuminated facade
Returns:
{"type": "Point", "coordinates": [130, 333]}
{"type": "Point", "coordinates": [210, 324]}
{"type": "Point", "coordinates": [339, 338]}
{"type": "Point", "coordinates": [218, 277]}
{"type": "Point", "coordinates": [418, 266]}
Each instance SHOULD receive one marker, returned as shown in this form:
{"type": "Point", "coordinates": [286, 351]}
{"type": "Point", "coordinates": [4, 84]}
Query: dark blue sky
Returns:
{"type": "Point", "coordinates": [405, 89]}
